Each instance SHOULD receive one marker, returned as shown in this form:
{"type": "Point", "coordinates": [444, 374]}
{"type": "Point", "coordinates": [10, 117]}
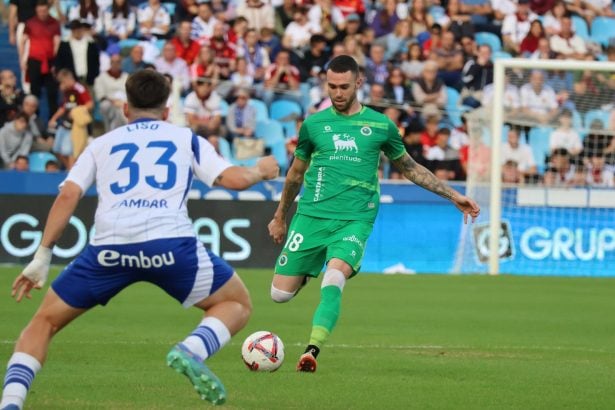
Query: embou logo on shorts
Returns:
{"type": "Point", "coordinates": [111, 258]}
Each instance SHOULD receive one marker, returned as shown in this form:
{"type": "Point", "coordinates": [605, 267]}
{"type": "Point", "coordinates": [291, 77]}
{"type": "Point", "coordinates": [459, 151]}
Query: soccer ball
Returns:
{"type": "Point", "coordinates": [263, 352]}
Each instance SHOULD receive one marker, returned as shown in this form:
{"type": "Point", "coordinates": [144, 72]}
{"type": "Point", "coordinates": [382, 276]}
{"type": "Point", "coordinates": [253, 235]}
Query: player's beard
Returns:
{"type": "Point", "coordinates": [343, 109]}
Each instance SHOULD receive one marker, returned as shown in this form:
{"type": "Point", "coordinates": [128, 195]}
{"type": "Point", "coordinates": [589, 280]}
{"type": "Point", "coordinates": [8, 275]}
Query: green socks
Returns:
{"type": "Point", "coordinates": [326, 314]}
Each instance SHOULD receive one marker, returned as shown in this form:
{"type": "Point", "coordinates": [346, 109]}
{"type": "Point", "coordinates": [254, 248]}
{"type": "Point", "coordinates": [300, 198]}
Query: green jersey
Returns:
{"type": "Point", "coordinates": [344, 153]}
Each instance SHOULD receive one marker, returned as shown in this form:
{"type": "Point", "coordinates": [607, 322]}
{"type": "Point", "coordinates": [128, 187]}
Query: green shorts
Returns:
{"type": "Point", "coordinates": [311, 242]}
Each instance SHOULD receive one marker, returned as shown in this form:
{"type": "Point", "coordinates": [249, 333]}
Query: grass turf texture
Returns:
{"type": "Point", "coordinates": [402, 342]}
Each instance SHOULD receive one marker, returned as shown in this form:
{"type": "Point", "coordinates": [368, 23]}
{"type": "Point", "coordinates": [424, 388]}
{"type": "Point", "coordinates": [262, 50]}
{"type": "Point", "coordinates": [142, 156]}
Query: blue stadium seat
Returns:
{"type": "Point", "coordinates": [286, 112]}
{"type": "Point", "coordinates": [170, 8]}
{"type": "Point", "coordinates": [273, 134]}
{"type": "Point", "coordinates": [225, 149]}
{"type": "Point", "coordinates": [485, 37]}
{"type": "Point", "coordinates": [539, 142]}
{"type": "Point", "coordinates": [602, 30]}
{"type": "Point", "coordinates": [453, 107]}
{"type": "Point", "coordinates": [262, 112]}
{"type": "Point", "coordinates": [39, 159]}
{"type": "Point", "coordinates": [223, 107]}
{"type": "Point", "coordinates": [305, 96]}
{"type": "Point", "coordinates": [128, 43]}
{"type": "Point", "coordinates": [593, 115]}
{"type": "Point", "coordinates": [579, 25]}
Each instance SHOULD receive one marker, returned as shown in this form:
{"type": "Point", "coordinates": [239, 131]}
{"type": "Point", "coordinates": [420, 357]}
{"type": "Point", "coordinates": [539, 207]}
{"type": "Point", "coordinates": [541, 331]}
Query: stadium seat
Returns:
{"type": "Point", "coordinates": [39, 159]}
{"type": "Point", "coordinates": [491, 39]}
{"type": "Point", "coordinates": [579, 25]}
{"type": "Point", "coordinates": [170, 6]}
{"type": "Point", "coordinates": [539, 142]}
{"type": "Point", "coordinates": [453, 106]}
{"type": "Point", "coordinates": [225, 149]}
{"type": "Point", "coordinates": [223, 108]}
{"type": "Point", "coordinates": [128, 43]}
{"type": "Point", "coordinates": [602, 30]}
{"type": "Point", "coordinates": [262, 112]}
{"type": "Point", "coordinates": [273, 134]}
{"type": "Point", "coordinates": [286, 112]}
{"type": "Point", "coordinates": [305, 96]}
{"type": "Point", "coordinates": [593, 115]}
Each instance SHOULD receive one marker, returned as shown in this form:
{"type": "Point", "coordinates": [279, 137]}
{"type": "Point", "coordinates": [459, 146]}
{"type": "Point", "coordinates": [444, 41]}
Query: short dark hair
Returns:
{"type": "Point", "coordinates": [342, 64]}
{"type": "Point", "coordinates": [147, 89]}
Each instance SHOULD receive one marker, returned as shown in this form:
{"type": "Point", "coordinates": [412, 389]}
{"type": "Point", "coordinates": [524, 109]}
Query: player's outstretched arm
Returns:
{"type": "Point", "coordinates": [239, 178]}
{"type": "Point", "coordinates": [35, 274]}
{"type": "Point", "coordinates": [292, 186]}
{"type": "Point", "coordinates": [423, 177]}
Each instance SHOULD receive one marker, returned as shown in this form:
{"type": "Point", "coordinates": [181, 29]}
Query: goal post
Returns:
{"type": "Point", "coordinates": [577, 207]}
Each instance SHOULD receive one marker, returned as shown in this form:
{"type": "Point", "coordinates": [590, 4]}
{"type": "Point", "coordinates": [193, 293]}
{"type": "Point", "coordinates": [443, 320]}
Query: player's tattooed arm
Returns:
{"type": "Point", "coordinates": [421, 176]}
{"type": "Point", "coordinates": [292, 187]}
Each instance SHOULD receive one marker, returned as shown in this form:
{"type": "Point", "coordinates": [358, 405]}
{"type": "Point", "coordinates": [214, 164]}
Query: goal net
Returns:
{"type": "Point", "coordinates": [542, 156]}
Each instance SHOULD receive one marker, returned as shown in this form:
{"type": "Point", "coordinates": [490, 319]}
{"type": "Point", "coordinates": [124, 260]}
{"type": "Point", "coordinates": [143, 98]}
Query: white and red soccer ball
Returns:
{"type": "Point", "coordinates": [263, 352]}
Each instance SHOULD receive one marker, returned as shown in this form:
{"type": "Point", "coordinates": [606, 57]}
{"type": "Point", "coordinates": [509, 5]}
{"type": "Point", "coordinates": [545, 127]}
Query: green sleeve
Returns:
{"type": "Point", "coordinates": [304, 145]}
{"type": "Point", "coordinates": [393, 147]}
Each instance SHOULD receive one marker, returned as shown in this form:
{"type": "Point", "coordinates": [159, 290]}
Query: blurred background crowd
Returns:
{"type": "Point", "coordinates": [246, 73]}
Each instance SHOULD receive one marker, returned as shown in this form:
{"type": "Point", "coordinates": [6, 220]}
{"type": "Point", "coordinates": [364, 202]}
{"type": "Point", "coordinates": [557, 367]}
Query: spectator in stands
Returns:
{"type": "Point", "coordinates": [169, 63]}
{"type": "Point", "coordinates": [552, 19]}
{"type": "Point", "coordinates": [22, 163]}
{"type": "Point", "coordinates": [186, 10]}
{"type": "Point", "coordinates": [588, 9]}
{"type": "Point", "coordinates": [375, 98]}
{"type": "Point", "coordinates": [185, 48]}
{"type": "Point", "coordinates": [270, 42]}
{"type": "Point", "coordinates": [134, 61]}
{"type": "Point", "coordinates": [43, 34]}
{"type": "Point", "coordinates": [224, 51]}
{"type": "Point", "coordinates": [300, 30]}
{"type": "Point", "coordinates": [430, 131]}
{"type": "Point", "coordinates": [513, 150]}
{"type": "Point", "coordinates": [385, 19]}
{"type": "Point", "coordinates": [109, 89]}
{"type": "Point", "coordinates": [241, 117]}
{"type": "Point", "coordinates": [41, 140]}
{"type": "Point", "coordinates": [202, 110]}
{"type": "Point", "coordinates": [538, 100]}
{"type": "Point", "coordinates": [315, 58]}
{"type": "Point", "coordinates": [79, 53]}
{"type": "Point", "coordinates": [434, 41]}
{"type": "Point", "coordinates": [599, 139]}
{"type": "Point", "coordinates": [396, 89]}
{"type": "Point", "coordinates": [119, 21]}
{"type": "Point", "coordinates": [511, 173]}
{"type": "Point", "coordinates": [15, 140]}
{"type": "Point", "coordinates": [413, 64]}
{"type": "Point", "coordinates": [450, 60]}
{"type": "Point", "coordinates": [477, 73]}
{"type": "Point", "coordinates": [530, 43]}
{"type": "Point", "coordinates": [351, 46]}
{"type": "Point", "coordinates": [599, 173]}
{"type": "Point", "coordinates": [480, 12]}
{"type": "Point", "coordinates": [564, 136]}
{"type": "Point", "coordinates": [242, 77]}
{"type": "Point", "coordinates": [543, 50]}
{"type": "Point", "coordinates": [238, 32]}
{"type": "Point", "coordinates": [205, 66]}
{"type": "Point", "coordinates": [459, 135]}
{"type": "Point", "coordinates": [560, 167]}
{"type": "Point", "coordinates": [590, 91]}
{"type": "Point", "coordinates": [87, 10]}
{"type": "Point", "coordinates": [468, 48]}
{"type": "Point", "coordinates": [566, 44]}
{"type": "Point", "coordinates": [284, 15]}
{"type": "Point", "coordinates": [11, 97]}
{"type": "Point", "coordinates": [420, 19]}
{"type": "Point", "coordinates": [154, 20]}
{"type": "Point", "coordinates": [328, 17]}
{"type": "Point", "coordinates": [20, 11]}
{"type": "Point", "coordinates": [579, 179]}
{"type": "Point", "coordinates": [502, 8]}
{"type": "Point", "coordinates": [429, 91]}
{"type": "Point", "coordinates": [203, 24]}
{"type": "Point", "coordinates": [376, 67]}
{"type": "Point", "coordinates": [412, 142]}
{"type": "Point", "coordinates": [258, 14]}
{"type": "Point", "coordinates": [69, 139]}
{"type": "Point", "coordinates": [281, 79]}
{"type": "Point", "coordinates": [459, 23]}
{"type": "Point", "coordinates": [512, 98]}
{"type": "Point", "coordinates": [255, 55]}
{"type": "Point", "coordinates": [441, 154]}
{"type": "Point", "coordinates": [352, 27]}
{"type": "Point", "coordinates": [52, 166]}
{"type": "Point", "coordinates": [396, 42]}
{"type": "Point", "coordinates": [515, 27]}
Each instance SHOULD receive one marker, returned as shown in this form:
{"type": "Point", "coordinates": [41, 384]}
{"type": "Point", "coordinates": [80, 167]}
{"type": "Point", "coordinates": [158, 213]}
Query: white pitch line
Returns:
{"type": "Point", "coordinates": [349, 346]}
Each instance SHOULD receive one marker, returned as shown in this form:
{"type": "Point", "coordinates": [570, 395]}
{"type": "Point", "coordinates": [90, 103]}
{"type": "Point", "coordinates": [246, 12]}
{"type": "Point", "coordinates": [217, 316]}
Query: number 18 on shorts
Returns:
{"type": "Point", "coordinates": [311, 242]}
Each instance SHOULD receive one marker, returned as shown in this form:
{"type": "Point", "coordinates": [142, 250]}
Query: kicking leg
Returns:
{"type": "Point", "coordinates": [228, 311]}
{"type": "Point", "coordinates": [31, 348]}
{"type": "Point", "coordinates": [327, 312]}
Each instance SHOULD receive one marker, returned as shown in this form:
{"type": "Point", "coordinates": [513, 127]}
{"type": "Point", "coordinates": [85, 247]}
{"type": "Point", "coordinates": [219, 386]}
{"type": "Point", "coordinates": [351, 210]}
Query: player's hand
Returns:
{"type": "Point", "coordinates": [268, 167]}
{"type": "Point", "coordinates": [467, 206]}
{"type": "Point", "coordinates": [277, 230]}
{"type": "Point", "coordinates": [34, 275]}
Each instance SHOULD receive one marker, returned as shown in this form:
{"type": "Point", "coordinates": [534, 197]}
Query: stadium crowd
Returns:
{"type": "Point", "coordinates": [246, 72]}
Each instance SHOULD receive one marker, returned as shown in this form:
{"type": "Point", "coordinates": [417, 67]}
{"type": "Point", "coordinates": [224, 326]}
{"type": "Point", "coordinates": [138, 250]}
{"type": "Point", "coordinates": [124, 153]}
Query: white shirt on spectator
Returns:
{"type": "Point", "coordinates": [511, 96]}
{"type": "Point", "coordinates": [573, 45]}
{"type": "Point", "coordinates": [74, 13]}
{"type": "Point", "coordinates": [541, 103]}
{"type": "Point", "coordinates": [522, 155]}
{"type": "Point", "coordinates": [119, 24]}
{"type": "Point", "coordinates": [202, 30]}
{"type": "Point", "coordinates": [177, 68]}
{"type": "Point", "coordinates": [569, 139]}
{"type": "Point", "coordinates": [506, 7]}
{"type": "Point", "coordinates": [549, 21]}
{"type": "Point", "coordinates": [161, 18]}
{"type": "Point", "coordinates": [315, 15]}
{"type": "Point", "coordinates": [517, 30]}
{"type": "Point", "coordinates": [203, 109]}
{"type": "Point", "coordinates": [300, 34]}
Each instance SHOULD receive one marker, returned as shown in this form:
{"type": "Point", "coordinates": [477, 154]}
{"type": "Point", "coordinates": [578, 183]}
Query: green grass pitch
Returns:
{"type": "Point", "coordinates": [403, 342]}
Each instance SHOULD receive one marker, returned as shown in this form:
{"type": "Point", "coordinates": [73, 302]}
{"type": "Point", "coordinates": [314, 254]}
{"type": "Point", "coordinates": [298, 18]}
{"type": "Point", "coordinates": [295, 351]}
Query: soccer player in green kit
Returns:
{"type": "Point", "coordinates": [337, 160]}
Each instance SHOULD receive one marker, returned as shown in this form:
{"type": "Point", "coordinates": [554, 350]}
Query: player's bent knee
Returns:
{"type": "Point", "coordinates": [280, 296]}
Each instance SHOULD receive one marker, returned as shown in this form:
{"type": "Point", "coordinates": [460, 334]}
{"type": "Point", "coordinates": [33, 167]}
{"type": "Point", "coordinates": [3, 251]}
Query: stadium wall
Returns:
{"type": "Point", "coordinates": [416, 231]}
